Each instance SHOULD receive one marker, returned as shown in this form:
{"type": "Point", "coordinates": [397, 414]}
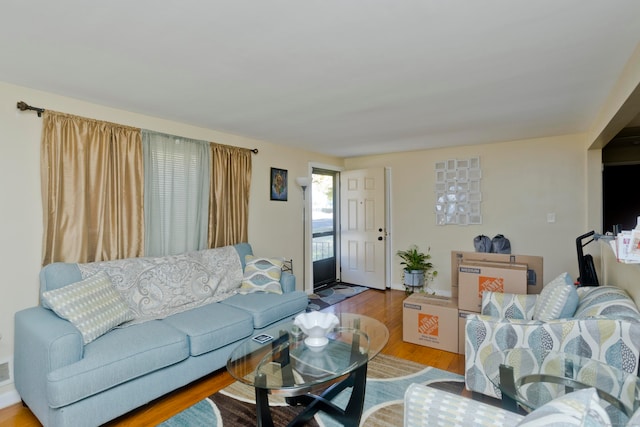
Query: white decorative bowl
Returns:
{"type": "Point", "coordinates": [316, 325]}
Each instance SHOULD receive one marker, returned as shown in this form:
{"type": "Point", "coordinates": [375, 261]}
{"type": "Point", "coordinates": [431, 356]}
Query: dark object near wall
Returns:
{"type": "Point", "coordinates": [482, 243]}
{"type": "Point", "coordinates": [500, 245]}
{"type": "Point", "coordinates": [586, 267]}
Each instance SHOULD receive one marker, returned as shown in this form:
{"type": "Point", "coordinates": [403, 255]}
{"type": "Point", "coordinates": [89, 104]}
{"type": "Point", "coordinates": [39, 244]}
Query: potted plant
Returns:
{"type": "Point", "coordinates": [417, 269]}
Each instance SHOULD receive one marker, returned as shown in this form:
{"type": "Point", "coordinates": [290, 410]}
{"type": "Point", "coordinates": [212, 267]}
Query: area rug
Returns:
{"type": "Point", "coordinates": [387, 379]}
{"type": "Point", "coordinates": [333, 295]}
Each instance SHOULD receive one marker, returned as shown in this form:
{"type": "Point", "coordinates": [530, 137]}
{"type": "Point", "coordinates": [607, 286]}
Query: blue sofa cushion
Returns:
{"type": "Point", "coordinates": [212, 326]}
{"type": "Point", "coordinates": [269, 308]}
{"type": "Point", "coordinates": [119, 356]}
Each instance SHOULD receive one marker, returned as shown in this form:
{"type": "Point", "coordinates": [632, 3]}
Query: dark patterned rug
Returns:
{"type": "Point", "coordinates": [387, 379]}
{"type": "Point", "coordinates": [333, 295]}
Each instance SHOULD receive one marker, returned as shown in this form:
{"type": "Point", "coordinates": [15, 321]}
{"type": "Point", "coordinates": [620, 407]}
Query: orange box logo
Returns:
{"type": "Point", "coordinates": [428, 324]}
{"type": "Point", "coordinates": [485, 283]}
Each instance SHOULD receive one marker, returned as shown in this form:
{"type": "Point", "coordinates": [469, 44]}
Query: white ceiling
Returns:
{"type": "Point", "coordinates": [341, 77]}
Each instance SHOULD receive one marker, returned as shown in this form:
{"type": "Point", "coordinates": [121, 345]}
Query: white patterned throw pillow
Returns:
{"type": "Point", "coordinates": [579, 408]}
{"type": "Point", "coordinates": [261, 275]}
{"type": "Point", "coordinates": [558, 299]}
{"type": "Point", "coordinates": [92, 305]}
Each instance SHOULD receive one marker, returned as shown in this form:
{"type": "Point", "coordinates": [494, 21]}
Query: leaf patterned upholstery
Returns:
{"type": "Point", "coordinates": [606, 327]}
{"type": "Point", "coordinates": [512, 306]}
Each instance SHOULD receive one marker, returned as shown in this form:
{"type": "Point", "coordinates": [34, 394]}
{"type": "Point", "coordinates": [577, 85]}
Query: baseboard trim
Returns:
{"type": "Point", "coordinates": [433, 291]}
{"type": "Point", "coordinates": [9, 398]}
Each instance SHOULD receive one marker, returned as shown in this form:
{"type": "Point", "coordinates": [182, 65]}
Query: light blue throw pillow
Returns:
{"type": "Point", "coordinates": [558, 299]}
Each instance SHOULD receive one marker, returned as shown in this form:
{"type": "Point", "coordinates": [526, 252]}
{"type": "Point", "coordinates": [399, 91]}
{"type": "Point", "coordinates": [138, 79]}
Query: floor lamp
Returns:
{"type": "Point", "coordinates": [303, 182]}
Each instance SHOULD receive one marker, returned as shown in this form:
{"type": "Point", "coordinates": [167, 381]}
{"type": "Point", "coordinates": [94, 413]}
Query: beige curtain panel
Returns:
{"type": "Point", "coordinates": [229, 195]}
{"type": "Point", "coordinates": [92, 190]}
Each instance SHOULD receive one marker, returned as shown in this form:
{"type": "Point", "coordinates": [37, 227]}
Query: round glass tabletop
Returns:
{"type": "Point", "coordinates": [284, 364]}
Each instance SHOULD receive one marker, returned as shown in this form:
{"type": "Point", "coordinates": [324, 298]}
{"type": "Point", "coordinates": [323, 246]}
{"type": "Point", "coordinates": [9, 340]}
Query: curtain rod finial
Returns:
{"type": "Point", "coordinates": [23, 106]}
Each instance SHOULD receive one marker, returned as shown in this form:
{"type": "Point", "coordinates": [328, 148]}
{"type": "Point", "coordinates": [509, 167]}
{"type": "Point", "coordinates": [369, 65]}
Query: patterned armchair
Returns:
{"type": "Point", "coordinates": [426, 407]}
{"type": "Point", "coordinates": [605, 326]}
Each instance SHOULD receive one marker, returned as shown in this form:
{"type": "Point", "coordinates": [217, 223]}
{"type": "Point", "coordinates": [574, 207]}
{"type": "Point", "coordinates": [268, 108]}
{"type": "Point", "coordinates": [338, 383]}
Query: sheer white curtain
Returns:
{"type": "Point", "coordinates": [176, 193]}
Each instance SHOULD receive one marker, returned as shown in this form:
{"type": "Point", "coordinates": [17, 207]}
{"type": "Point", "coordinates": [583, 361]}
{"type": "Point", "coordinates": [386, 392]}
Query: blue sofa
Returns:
{"type": "Point", "coordinates": [67, 383]}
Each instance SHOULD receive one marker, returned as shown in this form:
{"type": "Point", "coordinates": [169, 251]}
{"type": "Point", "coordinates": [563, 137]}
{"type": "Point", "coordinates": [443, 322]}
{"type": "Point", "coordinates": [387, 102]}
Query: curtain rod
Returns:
{"type": "Point", "coordinates": [23, 106]}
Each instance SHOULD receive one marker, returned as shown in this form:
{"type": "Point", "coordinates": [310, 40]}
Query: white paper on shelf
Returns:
{"type": "Point", "coordinates": [623, 243]}
{"type": "Point", "coordinates": [634, 243]}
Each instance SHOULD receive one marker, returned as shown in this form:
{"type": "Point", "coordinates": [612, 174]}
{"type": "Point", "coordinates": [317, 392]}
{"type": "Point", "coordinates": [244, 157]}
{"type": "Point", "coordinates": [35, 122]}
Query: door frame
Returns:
{"type": "Point", "coordinates": [336, 232]}
{"type": "Point", "coordinates": [337, 211]}
{"type": "Point", "coordinates": [309, 226]}
{"type": "Point", "coordinates": [387, 224]}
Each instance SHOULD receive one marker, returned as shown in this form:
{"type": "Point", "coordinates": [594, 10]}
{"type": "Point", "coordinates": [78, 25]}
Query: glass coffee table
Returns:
{"type": "Point", "coordinates": [530, 378]}
{"type": "Point", "coordinates": [284, 365]}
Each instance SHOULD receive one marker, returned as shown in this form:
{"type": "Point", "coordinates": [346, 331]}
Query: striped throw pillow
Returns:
{"type": "Point", "coordinates": [558, 299]}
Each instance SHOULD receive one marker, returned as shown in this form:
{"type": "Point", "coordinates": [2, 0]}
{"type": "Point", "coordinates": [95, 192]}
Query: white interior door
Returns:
{"type": "Point", "coordinates": [362, 227]}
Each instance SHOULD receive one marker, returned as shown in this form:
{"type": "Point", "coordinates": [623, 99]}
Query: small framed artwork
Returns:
{"type": "Point", "coordinates": [279, 188]}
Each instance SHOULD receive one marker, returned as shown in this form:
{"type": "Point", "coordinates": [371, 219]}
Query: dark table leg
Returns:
{"type": "Point", "coordinates": [568, 373]}
{"type": "Point", "coordinates": [282, 357]}
{"type": "Point", "coordinates": [263, 413]}
{"type": "Point", "coordinates": [350, 416]}
{"type": "Point", "coordinates": [508, 388]}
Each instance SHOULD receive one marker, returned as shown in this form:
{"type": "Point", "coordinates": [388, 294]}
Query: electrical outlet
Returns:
{"type": "Point", "coordinates": [551, 217]}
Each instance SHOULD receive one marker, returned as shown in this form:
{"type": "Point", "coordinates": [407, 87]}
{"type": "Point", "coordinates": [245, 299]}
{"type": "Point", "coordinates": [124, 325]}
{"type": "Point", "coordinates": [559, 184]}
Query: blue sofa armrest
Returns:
{"type": "Point", "coordinates": [288, 282]}
{"type": "Point", "coordinates": [44, 342]}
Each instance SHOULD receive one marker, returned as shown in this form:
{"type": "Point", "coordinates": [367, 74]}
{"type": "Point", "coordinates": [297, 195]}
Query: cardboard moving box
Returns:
{"type": "Point", "coordinates": [534, 267]}
{"type": "Point", "coordinates": [475, 278]}
{"type": "Point", "coordinates": [432, 322]}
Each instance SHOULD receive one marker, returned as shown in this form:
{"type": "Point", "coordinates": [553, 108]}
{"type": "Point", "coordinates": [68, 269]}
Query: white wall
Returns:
{"type": "Point", "coordinates": [621, 106]}
{"type": "Point", "coordinates": [522, 181]}
{"type": "Point", "coordinates": [275, 228]}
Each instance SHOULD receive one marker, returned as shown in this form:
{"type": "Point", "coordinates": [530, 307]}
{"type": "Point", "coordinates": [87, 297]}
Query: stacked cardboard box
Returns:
{"type": "Point", "coordinates": [430, 321]}
{"type": "Point", "coordinates": [476, 277]}
{"type": "Point", "coordinates": [474, 272]}
{"type": "Point", "coordinates": [440, 322]}
{"type": "Point", "coordinates": [533, 263]}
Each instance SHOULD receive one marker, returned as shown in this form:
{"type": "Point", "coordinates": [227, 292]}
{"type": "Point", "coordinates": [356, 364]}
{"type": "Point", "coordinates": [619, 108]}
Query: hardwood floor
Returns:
{"type": "Point", "coordinates": [385, 306]}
